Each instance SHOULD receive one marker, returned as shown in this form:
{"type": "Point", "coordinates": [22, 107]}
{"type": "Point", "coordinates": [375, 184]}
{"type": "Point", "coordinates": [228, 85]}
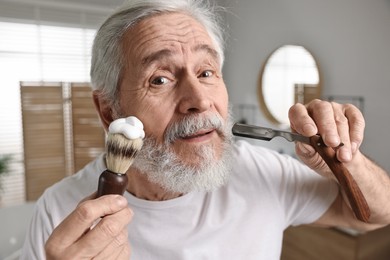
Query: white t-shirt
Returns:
{"type": "Point", "coordinates": [266, 193]}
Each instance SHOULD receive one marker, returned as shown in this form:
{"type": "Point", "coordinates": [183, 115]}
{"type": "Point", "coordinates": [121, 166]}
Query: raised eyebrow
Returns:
{"type": "Point", "coordinates": [208, 49]}
{"type": "Point", "coordinates": [158, 55]}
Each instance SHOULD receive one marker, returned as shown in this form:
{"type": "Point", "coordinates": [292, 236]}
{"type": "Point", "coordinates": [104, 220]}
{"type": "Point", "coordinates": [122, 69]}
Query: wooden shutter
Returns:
{"type": "Point", "coordinates": [54, 145]}
{"type": "Point", "coordinates": [43, 133]}
{"type": "Point", "coordinates": [88, 133]}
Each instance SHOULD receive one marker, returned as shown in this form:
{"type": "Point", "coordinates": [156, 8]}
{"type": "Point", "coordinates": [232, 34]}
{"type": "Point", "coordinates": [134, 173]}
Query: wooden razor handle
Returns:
{"type": "Point", "coordinates": [348, 184]}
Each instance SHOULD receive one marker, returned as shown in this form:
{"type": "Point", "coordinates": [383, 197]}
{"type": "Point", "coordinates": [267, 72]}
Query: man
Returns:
{"type": "Point", "coordinates": [193, 193]}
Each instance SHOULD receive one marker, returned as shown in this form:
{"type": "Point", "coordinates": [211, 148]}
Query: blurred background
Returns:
{"type": "Point", "coordinates": [48, 128]}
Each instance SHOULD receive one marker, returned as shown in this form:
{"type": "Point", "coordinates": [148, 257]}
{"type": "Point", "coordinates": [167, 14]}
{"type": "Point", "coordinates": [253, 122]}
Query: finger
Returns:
{"type": "Point", "coordinates": [74, 226]}
{"type": "Point", "coordinates": [302, 123]}
{"type": "Point", "coordinates": [300, 120]}
{"type": "Point", "coordinates": [90, 197]}
{"type": "Point", "coordinates": [113, 250]}
{"type": "Point", "coordinates": [304, 150]}
{"type": "Point", "coordinates": [351, 134]}
{"type": "Point", "coordinates": [356, 126]}
{"type": "Point", "coordinates": [124, 253]}
{"type": "Point", "coordinates": [107, 231]}
{"type": "Point", "coordinates": [324, 116]}
{"type": "Point", "coordinates": [311, 158]}
{"type": "Point", "coordinates": [344, 153]}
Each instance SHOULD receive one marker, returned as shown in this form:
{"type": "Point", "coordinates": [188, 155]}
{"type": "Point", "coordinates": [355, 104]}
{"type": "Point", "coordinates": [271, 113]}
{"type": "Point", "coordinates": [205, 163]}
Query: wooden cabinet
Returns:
{"type": "Point", "coordinates": [320, 243]}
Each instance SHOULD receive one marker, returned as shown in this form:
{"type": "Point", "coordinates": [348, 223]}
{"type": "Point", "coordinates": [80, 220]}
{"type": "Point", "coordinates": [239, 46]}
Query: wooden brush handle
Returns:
{"type": "Point", "coordinates": [347, 182]}
{"type": "Point", "coordinates": [112, 183]}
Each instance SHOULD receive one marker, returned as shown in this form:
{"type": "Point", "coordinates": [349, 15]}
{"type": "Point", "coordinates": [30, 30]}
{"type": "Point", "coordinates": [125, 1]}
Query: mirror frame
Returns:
{"type": "Point", "coordinates": [260, 96]}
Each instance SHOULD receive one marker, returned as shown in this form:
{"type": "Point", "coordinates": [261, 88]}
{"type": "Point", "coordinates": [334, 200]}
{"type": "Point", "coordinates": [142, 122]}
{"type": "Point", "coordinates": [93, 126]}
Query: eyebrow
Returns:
{"type": "Point", "coordinates": [164, 53]}
{"type": "Point", "coordinates": [158, 55]}
{"type": "Point", "coordinates": [209, 50]}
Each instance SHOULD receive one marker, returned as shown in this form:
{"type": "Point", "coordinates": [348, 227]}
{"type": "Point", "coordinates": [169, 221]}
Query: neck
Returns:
{"type": "Point", "coordinates": [142, 188]}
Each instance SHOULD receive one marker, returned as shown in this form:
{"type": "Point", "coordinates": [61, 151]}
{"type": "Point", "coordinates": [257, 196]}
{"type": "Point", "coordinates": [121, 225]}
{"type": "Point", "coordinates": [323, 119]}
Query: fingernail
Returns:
{"type": "Point", "coordinates": [331, 139]}
{"type": "Point", "coordinates": [345, 155]}
{"type": "Point", "coordinates": [308, 129]}
{"type": "Point", "coordinates": [121, 201]}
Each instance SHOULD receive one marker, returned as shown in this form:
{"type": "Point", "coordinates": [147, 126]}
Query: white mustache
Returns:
{"type": "Point", "coordinates": [192, 124]}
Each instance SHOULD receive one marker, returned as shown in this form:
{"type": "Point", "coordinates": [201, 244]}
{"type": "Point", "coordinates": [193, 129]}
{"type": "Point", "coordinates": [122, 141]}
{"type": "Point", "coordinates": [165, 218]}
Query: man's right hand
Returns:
{"type": "Point", "coordinates": [74, 238]}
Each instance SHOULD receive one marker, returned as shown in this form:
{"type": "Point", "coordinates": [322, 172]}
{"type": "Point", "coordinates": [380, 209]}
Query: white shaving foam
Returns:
{"type": "Point", "coordinates": [131, 127]}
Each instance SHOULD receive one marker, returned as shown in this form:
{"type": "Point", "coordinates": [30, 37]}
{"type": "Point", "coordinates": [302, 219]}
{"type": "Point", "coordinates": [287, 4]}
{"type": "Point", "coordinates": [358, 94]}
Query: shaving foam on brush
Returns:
{"type": "Point", "coordinates": [124, 140]}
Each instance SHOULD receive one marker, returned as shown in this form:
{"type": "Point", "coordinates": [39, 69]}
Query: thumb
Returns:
{"type": "Point", "coordinates": [312, 159]}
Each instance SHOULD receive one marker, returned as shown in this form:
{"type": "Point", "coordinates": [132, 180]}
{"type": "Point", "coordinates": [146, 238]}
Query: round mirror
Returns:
{"type": "Point", "coordinates": [289, 75]}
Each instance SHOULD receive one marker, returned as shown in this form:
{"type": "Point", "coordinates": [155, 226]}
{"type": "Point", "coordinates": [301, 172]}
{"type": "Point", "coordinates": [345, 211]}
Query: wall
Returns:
{"type": "Point", "coordinates": [350, 40]}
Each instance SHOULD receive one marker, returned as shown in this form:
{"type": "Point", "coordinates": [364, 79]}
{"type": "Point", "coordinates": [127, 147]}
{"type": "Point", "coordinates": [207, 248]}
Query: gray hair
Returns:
{"type": "Point", "coordinates": [107, 53]}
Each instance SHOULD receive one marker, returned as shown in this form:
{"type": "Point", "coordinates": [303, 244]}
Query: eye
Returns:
{"type": "Point", "coordinates": [159, 81]}
{"type": "Point", "coordinates": [206, 74]}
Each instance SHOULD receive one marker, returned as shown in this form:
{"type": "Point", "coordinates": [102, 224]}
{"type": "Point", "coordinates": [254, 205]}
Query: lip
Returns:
{"type": "Point", "coordinates": [200, 136]}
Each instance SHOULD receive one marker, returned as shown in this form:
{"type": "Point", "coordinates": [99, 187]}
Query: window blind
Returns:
{"type": "Point", "coordinates": [37, 43]}
{"type": "Point", "coordinates": [79, 14]}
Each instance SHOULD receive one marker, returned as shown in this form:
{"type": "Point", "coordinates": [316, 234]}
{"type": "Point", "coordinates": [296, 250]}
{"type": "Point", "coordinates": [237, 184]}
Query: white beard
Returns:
{"type": "Point", "coordinates": [164, 167]}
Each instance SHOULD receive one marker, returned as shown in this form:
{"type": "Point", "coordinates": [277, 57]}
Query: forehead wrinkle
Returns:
{"type": "Point", "coordinates": [181, 28]}
{"type": "Point", "coordinates": [179, 32]}
{"type": "Point", "coordinates": [174, 26]}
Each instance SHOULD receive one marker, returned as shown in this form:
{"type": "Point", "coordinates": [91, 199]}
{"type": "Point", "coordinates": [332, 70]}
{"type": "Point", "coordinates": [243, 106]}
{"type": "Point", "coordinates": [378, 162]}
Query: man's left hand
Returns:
{"type": "Point", "coordinates": [335, 123]}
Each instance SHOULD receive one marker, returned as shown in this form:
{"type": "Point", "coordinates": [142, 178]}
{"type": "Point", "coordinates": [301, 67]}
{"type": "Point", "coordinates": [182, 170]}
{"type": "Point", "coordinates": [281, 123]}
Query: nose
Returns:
{"type": "Point", "coordinates": [194, 96]}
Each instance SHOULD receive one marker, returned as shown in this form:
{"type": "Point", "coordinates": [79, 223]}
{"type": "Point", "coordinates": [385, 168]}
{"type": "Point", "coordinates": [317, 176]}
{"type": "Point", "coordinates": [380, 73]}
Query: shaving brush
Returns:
{"type": "Point", "coordinates": [124, 140]}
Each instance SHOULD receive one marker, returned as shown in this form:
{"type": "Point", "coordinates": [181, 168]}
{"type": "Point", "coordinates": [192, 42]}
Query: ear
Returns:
{"type": "Point", "coordinates": [103, 108]}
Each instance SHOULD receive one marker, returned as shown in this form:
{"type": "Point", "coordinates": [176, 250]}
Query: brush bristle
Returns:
{"type": "Point", "coordinates": [121, 152]}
